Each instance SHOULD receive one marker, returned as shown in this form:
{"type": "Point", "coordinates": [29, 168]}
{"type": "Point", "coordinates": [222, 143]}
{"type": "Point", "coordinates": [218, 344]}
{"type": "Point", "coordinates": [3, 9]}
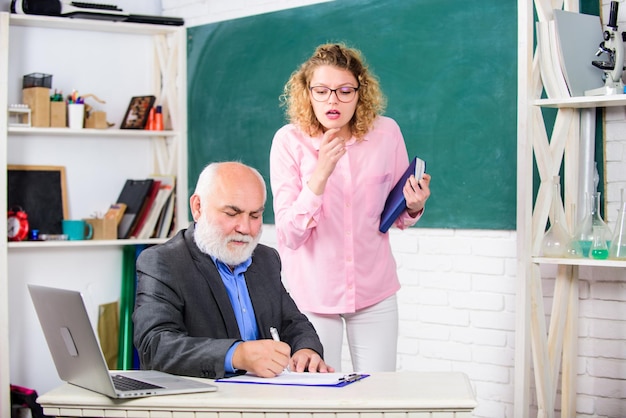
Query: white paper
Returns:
{"type": "Point", "coordinates": [293, 378]}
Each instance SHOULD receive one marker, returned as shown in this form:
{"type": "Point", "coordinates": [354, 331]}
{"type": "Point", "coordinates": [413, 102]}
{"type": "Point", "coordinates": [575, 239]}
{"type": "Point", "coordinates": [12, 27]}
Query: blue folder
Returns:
{"type": "Point", "coordinates": [396, 203]}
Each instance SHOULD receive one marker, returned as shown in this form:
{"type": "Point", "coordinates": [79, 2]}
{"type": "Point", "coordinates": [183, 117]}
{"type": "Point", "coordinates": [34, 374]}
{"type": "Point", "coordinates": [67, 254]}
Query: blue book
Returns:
{"type": "Point", "coordinates": [396, 203]}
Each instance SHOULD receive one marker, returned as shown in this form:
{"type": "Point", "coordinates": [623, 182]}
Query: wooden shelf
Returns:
{"type": "Point", "coordinates": [157, 54]}
{"type": "Point", "coordinates": [584, 101]}
{"type": "Point", "coordinates": [579, 262]}
{"type": "Point", "coordinates": [90, 25]}
{"type": "Point", "coordinates": [83, 243]}
{"type": "Point", "coordinates": [81, 133]}
{"type": "Point", "coordinates": [551, 348]}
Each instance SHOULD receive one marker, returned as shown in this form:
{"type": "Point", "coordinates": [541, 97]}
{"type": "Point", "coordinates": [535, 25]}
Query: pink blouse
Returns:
{"type": "Point", "coordinates": [334, 258]}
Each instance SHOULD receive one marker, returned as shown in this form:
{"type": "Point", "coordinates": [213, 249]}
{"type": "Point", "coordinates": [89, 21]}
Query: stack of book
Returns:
{"type": "Point", "coordinates": [567, 46]}
{"type": "Point", "coordinates": [149, 207]}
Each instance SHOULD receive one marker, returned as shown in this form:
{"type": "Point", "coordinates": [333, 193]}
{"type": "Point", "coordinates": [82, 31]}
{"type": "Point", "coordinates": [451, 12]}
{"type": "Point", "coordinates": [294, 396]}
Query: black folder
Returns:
{"type": "Point", "coordinates": [133, 195]}
{"type": "Point", "coordinates": [396, 203]}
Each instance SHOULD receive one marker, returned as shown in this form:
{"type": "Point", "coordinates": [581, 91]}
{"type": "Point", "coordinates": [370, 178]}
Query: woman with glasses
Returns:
{"type": "Point", "coordinates": [331, 170]}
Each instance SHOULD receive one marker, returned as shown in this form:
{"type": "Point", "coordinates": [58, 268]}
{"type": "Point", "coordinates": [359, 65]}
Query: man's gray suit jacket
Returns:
{"type": "Point", "coordinates": [183, 320]}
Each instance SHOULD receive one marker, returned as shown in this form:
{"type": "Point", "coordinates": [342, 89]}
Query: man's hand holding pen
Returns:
{"type": "Point", "coordinates": [265, 358]}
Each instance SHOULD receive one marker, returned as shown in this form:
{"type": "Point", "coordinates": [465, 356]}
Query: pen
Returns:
{"type": "Point", "coordinates": [276, 337]}
{"type": "Point", "coordinates": [274, 333]}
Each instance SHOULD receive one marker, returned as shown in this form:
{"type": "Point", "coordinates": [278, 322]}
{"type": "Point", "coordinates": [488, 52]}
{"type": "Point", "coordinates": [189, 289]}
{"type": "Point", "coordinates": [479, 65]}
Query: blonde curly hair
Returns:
{"type": "Point", "coordinates": [296, 100]}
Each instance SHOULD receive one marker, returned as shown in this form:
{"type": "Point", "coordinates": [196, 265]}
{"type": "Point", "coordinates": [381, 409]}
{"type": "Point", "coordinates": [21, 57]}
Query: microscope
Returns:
{"type": "Point", "coordinates": [613, 46]}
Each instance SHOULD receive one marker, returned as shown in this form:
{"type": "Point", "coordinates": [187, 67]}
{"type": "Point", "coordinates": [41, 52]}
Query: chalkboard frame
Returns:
{"type": "Point", "coordinates": [41, 191]}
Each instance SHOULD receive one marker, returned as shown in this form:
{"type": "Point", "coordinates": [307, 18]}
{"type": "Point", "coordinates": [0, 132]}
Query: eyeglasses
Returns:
{"type": "Point", "coordinates": [344, 94]}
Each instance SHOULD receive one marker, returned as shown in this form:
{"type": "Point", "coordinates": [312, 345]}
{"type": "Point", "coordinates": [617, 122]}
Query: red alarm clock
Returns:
{"type": "Point", "coordinates": [17, 224]}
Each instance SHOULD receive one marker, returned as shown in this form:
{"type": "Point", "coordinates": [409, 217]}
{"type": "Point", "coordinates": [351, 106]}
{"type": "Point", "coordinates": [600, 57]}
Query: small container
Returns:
{"type": "Point", "coordinates": [37, 80]}
{"type": "Point", "coordinates": [158, 119]}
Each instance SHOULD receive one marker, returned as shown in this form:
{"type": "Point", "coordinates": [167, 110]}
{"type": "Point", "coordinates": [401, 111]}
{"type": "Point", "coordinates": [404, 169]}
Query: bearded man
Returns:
{"type": "Point", "coordinates": [207, 298]}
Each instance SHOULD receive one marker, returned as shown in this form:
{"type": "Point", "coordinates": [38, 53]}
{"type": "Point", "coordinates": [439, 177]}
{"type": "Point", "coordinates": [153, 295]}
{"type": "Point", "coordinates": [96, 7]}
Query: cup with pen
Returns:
{"type": "Point", "coordinates": [75, 111]}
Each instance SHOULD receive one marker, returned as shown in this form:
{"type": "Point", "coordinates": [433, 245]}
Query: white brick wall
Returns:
{"type": "Point", "coordinates": [457, 302]}
{"type": "Point", "coordinates": [602, 329]}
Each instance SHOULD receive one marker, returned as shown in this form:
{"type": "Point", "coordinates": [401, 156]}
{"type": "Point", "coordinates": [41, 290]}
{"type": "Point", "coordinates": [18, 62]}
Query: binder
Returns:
{"type": "Point", "coordinates": [142, 216]}
{"type": "Point", "coordinates": [288, 378]}
{"type": "Point", "coordinates": [396, 203]}
{"type": "Point", "coordinates": [133, 194]}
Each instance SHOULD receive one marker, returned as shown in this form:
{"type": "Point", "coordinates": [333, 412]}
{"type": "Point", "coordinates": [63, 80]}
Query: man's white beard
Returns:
{"type": "Point", "coordinates": [210, 240]}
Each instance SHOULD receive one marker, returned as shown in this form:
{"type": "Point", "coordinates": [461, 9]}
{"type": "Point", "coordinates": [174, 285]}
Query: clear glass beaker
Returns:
{"type": "Point", "coordinates": [556, 240]}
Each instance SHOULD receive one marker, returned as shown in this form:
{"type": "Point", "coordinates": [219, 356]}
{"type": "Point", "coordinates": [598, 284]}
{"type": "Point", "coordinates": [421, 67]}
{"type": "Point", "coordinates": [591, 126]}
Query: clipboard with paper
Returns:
{"type": "Point", "coordinates": [298, 379]}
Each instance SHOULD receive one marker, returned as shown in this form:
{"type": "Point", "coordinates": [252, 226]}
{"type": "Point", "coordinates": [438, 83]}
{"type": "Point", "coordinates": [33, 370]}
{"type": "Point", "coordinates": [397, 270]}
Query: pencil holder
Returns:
{"type": "Point", "coordinates": [76, 115]}
{"type": "Point", "coordinates": [58, 115]}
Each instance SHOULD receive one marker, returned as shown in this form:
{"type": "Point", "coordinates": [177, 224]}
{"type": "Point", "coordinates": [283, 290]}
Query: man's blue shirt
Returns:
{"type": "Point", "coordinates": [235, 283]}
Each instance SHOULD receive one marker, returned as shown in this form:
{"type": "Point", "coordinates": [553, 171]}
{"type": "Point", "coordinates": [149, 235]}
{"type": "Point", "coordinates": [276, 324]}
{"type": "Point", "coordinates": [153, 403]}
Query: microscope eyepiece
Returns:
{"type": "Point", "coordinates": [613, 15]}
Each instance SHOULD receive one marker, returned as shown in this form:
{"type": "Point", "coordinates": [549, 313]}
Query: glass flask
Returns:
{"type": "Point", "coordinates": [556, 240]}
{"type": "Point", "coordinates": [617, 249]}
{"type": "Point", "coordinates": [573, 249]}
{"type": "Point", "coordinates": [599, 248]}
{"type": "Point", "coordinates": [584, 231]}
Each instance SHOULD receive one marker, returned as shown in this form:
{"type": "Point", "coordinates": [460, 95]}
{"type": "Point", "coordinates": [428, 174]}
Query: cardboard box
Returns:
{"type": "Point", "coordinates": [58, 115]}
{"type": "Point", "coordinates": [103, 228]}
{"type": "Point", "coordinates": [96, 120]}
{"type": "Point", "coordinates": [38, 98]}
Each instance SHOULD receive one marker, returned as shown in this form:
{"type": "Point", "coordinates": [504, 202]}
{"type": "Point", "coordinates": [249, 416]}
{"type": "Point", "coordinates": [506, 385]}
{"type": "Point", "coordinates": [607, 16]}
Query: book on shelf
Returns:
{"type": "Point", "coordinates": [166, 222]}
{"type": "Point", "coordinates": [133, 195]}
{"type": "Point", "coordinates": [145, 208]}
{"type": "Point", "coordinates": [156, 209]}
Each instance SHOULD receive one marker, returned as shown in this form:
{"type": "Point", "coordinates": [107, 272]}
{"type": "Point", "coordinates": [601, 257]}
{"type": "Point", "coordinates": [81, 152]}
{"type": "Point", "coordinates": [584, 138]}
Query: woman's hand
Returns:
{"type": "Point", "coordinates": [331, 150]}
{"type": "Point", "coordinates": [416, 194]}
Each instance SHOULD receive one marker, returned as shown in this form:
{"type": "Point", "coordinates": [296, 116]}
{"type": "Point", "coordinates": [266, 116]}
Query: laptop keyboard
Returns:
{"type": "Point", "coordinates": [126, 383]}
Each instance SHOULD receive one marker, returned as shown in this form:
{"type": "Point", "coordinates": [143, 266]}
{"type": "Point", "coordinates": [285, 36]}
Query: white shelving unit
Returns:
{"type": "Point", "coordinates": [552, 351]}
{"type": "Point", "coordinates": [114, 61]}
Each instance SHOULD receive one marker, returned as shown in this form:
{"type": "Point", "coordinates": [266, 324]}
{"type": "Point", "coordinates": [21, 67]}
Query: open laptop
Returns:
{"type": "Point", "coordinates": [79, 359]}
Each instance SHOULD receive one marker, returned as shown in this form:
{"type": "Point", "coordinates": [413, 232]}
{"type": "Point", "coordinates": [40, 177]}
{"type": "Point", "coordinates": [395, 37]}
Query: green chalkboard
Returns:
{"type": "Point", "coordinates": [447, 67]}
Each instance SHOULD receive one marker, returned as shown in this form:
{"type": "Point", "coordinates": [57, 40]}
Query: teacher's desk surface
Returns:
{"type": "Point", "coordinates": [383, 394]}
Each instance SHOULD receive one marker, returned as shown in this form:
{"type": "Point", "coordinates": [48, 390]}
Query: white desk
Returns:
{"type": "Point", "coordinates": [382, 395]}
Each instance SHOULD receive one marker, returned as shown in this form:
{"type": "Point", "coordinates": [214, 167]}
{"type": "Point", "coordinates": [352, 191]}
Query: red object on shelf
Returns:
{"type": "Point", "coordinates": [150, 121]}
{"type": "Point", "coordinates": [158, 119]}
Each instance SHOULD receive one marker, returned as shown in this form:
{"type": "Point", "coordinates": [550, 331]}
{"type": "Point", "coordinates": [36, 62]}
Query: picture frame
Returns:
{"type": "Point", "coordinates": [137, 113]}
{"type": "Point", "coordinates": [41, 192]}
